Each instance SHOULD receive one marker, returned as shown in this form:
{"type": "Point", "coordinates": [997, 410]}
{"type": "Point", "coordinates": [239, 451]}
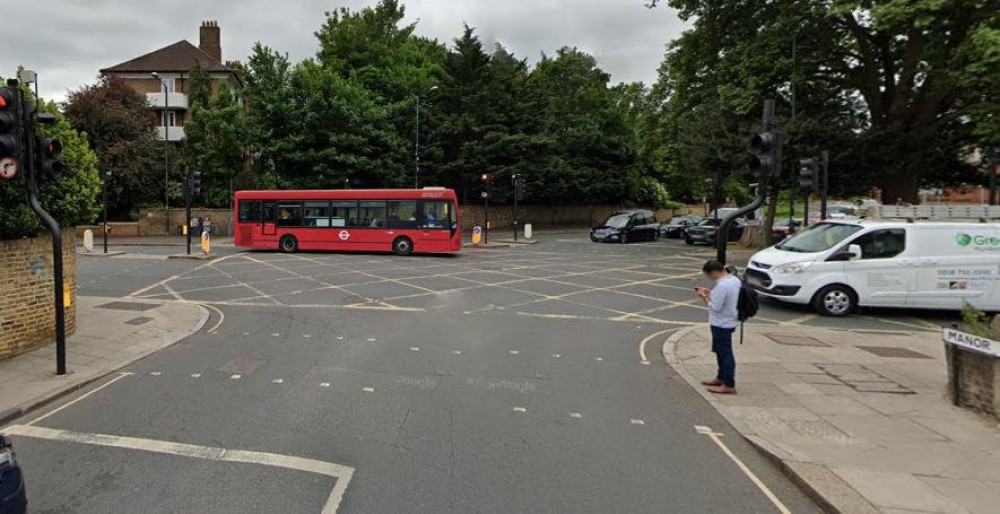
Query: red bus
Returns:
{"type": "Point", "coordinates": [399, 220]}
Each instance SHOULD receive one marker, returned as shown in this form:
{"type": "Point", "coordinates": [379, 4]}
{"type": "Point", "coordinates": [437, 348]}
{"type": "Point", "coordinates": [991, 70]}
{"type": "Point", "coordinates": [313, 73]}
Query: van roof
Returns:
{"type": "Point", "coordinates": [918, 223]}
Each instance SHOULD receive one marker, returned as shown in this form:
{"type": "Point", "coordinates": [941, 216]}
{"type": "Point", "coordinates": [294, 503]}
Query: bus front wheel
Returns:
{"type": "Point", "coordinates": [402, 246]}
{"type": "Point", "coordinates": [289, 244]}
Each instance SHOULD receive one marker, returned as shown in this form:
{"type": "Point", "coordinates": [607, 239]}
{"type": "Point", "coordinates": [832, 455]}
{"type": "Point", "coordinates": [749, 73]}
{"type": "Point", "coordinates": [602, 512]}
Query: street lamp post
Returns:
{"type": "Point", "coordinates": [107, 177]}
{"type": "Point", "coordinates": [416, 145]}
{"type": "Point", "coordinates": [166, 151]}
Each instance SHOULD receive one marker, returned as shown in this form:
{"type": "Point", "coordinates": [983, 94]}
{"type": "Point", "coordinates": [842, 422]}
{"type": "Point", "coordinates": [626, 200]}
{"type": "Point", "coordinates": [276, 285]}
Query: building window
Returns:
{"type": "Point", "coordinates": [169, 84]}
{"type": "Point", "coordinates": [168, 118]}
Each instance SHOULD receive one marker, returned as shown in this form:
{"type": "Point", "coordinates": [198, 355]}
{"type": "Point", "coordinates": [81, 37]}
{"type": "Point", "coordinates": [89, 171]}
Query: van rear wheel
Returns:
{"type": "Point", "coordinates": [835, 300]}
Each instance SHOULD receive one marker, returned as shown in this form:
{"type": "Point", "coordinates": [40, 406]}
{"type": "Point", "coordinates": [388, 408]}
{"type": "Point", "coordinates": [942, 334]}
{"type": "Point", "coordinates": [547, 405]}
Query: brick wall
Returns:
{"type": "Point", "coordinates": [117, 229]}
{"type": "Point", "coordinates": [152, 222]}
{"type": "Point", "coordinates": [977, 379]}
{"type": "Point", "coordinates": [27, 304]}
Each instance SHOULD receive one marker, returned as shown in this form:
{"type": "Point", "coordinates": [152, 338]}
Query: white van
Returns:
{"type": "Point", "coordinates": [838, 265]}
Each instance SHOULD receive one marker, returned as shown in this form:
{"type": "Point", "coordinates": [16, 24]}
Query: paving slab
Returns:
{"type": "Point", "coordinates": [862, 431]}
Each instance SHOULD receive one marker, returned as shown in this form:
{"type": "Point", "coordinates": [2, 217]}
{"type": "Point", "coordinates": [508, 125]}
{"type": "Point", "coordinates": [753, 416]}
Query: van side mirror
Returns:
{"type": "Point", "coordinates": [854, 251]}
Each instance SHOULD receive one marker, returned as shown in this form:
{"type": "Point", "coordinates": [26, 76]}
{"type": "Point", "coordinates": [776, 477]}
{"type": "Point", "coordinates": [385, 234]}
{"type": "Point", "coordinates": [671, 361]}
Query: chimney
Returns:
{"type": "Point", "coordinates": [210, 40]}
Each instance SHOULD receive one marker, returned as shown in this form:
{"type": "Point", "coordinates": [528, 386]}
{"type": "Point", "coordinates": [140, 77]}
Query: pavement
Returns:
{"type": "Point", "coordinates": [860, 418]}
{"type": "Point", "coordinates": [110, 334]}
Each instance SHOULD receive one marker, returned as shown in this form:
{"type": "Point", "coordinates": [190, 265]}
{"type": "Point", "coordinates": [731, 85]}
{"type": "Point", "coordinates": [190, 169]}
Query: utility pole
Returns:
{"type": "Point", "coordinates": [166, 151]}
{"type": "Point", "coordinates": [107, 177]}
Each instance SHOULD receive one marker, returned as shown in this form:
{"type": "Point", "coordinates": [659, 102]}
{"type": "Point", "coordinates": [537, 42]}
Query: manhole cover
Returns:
{"type": "Point", "coordinates": [891, 351]}
{"type": "Point", "coordinates": [139, 321]}
{"type": "Point", "coordinates": [790, 340]}
{"type": "Point", "coordinates": [128, 306]}
{"type": "Point", "coordinates": [240, 365]}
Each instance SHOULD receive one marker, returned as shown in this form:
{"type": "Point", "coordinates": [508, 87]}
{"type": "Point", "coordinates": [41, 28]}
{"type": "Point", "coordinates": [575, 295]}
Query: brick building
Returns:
{"type": "Point", "coordinates": [169, 68]}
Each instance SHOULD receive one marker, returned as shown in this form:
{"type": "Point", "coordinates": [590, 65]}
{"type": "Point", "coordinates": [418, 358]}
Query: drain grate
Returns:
{"type": "Point", "coordinates": [891, 351]}
{"type": "Point", "coordinates": [128, 306]}
{"type": "Point", "coordinates": [790, 340]}
{"type": "Point", "coordinates": [141, 320]}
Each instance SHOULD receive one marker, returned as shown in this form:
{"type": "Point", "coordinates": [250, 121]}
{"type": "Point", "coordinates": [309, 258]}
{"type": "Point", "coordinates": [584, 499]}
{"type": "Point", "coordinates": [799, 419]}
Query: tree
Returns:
{"type": "Point", "coordinates": [72, 199]}
{"type": "Point", "coordinates": [895, 73]}
{"type": "Point", "coordinates": [120, 130]}
{"type": "Point", "coordinates": [214, 144]}
{"type": "Point", "coordinates": [199, 86]}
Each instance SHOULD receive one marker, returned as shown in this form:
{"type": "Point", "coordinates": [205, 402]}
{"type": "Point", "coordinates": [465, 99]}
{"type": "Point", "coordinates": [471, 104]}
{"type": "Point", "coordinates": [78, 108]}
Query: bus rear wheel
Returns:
{"type": "Point", "coordinates": [402, 246]}
{"type": "Point", "coordinates": [288, 244]}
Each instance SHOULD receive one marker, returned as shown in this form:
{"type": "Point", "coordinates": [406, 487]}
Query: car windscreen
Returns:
{"type": "Point", "coordinates": [617, 221]}
{"type": "Point", "coordinates": [817, 238]}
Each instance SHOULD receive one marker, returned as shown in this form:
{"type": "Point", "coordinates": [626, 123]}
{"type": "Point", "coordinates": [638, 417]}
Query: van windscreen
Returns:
{"type": "Point", "coordinates": [818, 238]}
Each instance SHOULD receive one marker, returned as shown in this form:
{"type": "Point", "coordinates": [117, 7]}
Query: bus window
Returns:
{"type": "Point", "coordinates": [371, 214]}
{"type": "Point", "coordinates": [437, 214]}
{"type": "Point", "coordinates": [289, 214]}
{"type": "Point", "coordinates": [317, 214]}
{"type": "Point", "coordinates": [249, 210]}
{"type": "Point", "coordinates": [344, 214]}
{"type": "Point", "coordinates": [402, 214]}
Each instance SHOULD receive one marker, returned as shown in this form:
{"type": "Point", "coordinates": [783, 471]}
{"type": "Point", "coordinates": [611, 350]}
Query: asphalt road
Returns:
{"type": "Point", "coordinates": [507, 380]}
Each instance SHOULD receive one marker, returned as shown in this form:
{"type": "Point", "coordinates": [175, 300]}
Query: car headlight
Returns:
{"type": "Point", "coordinates": [792, 267]}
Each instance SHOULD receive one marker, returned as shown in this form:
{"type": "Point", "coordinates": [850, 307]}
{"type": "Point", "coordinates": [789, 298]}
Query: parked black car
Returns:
{"type": "Point", "coordinates": [674, 229]}
{"type": "Point", "coordinates": [704, 232]}
{"type": "Point", "coordinates": [627, 226]}
{"type": "Point", "coordinates": [12, 496]}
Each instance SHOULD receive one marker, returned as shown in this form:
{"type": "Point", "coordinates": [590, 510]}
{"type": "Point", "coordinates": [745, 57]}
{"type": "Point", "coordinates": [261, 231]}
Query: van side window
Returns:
{"type": "Point", "coordinates": [882, 244]}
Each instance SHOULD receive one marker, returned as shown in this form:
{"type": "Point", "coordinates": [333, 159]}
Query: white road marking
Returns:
{"type": "Point", "coordinates": [221, 317]}
{"type": "Point", "coordinates": [520, 409]}
{"type": "Point", "coordinates": [372, 339]}
{"type": "Point", "coordinates": [155, 373]}
{"type": "Point", "coordinates": [575, 415]}
{"type": "Point", "coordinates": [457, 352]}
{"type": "Point", "coordinates": [195, 375]}
{"type": "Point", "coordinates": [276, 334]}
{"type": "Point", "coordinates": [246, 333]}
{"type": "Point", "coordinates": [82, 397]}
{"type": "Point", "coordinates": [637, 421]}
{"type": "Point", "coordinates": [514, 352]}
{"type": "Point", "coordinates": [368, 389]}
{"type": "Point", "coordinates": [714, 436]}
{"type": "Point", "coordinates": [556, 355]}
{"type": "Point", "coordinates": [278, 381]}
{"type": "Point", "coordinates": [645, 363]}
{"type": "Point", "coordinates": [340, 338]}
{"type": "Point", "coordinates": [341, 473]}
{"type": "Point", "coordinates": [307, 336]}
{"type": "Point", "coordinates": [236, 377]}
{"type": "Point", "coordinates": [324, 384]}
{"type": "Point", "coordinates": [598, 359]}
{"type": "Point", "coordinates": [414, 349]}
{"type": "Point", "coordinates": [642, 345]}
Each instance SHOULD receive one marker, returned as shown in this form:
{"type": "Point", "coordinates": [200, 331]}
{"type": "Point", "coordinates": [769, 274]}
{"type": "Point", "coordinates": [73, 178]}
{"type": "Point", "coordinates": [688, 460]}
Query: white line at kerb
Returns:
{"type": "Point", "coordinates": [342, 473]}
{"type": "Point", "coordinates": [81, 397]}
{"type": "Point", "coordinates": [714, 436]}
{"type": "Point", "coordinates": [642, 345]}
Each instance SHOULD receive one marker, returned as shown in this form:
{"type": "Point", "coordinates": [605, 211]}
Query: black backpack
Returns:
{"type": "Point", "coordinates": [747, 302]}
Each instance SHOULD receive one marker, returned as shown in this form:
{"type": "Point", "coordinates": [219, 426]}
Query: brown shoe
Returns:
{"type": "Point", "coordinates": [712, 382]}
{"type": "Point", "coordinates": [721, 389]}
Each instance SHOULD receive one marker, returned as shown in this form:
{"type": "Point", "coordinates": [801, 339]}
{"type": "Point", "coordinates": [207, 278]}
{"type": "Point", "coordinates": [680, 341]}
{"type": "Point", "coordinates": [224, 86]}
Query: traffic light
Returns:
{"type": "Point", "coordinates": [195, 183]}
{"type": "Point", "coordinates": [808, 171]}
{"type": "Point", "coordinates": [518, 187]}
{"type": "Point", "coordinates": [49, 166]}
{"type": "Point", "coordinates": [765, 159]}
{"type": "Point", "coordinates": [8, 134]}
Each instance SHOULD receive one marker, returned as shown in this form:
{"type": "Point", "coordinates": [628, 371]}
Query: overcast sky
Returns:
{"type": "Point", "coordinates": [67, 41]}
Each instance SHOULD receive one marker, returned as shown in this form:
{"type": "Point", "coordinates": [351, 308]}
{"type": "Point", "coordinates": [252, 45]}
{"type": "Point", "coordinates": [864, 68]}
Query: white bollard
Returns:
{"type": "Point", "coordinates": [88, 240]}
{"type": "Point", "coordinates": [527, 230]}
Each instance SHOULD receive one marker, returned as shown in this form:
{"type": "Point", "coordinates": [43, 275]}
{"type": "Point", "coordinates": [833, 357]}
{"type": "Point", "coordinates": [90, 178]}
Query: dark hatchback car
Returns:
{"type": "Point", "coordinates": [627, 226]}
{"type": "Point", "coordinates": [674, 229]}
{"type": "Point", "coordinates": [704, 232]}
{"type": "Point", "coordinates": [12, 495]}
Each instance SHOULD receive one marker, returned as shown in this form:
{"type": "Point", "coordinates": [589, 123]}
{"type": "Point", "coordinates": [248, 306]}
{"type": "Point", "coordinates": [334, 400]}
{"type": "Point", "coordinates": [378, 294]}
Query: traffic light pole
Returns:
{"type": "Point", "coordinates": [824, 191]}
{"type": "Point", "coordinates": [486, 214]}
{"type": "Point", "coordinates": [53, 226]}
{"type": "Point", "coordinates": [722, 233]}
{"type": "Point", "coordinates": [187, 210]}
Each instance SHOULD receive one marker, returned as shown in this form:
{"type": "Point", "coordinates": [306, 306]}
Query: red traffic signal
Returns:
{"type": "Point", "coordinates": [8, 123]}
{"type": "Point", "coordinates": [49, 166]}
{"type": "Point", "coordinates": [51, 148]}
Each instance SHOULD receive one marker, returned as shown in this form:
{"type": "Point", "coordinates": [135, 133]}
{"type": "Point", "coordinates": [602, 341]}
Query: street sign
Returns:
{"type": "Point", "coordinates": [484, 194]}
{"type": "Point", "coordinates": [344, 235]}
{"type": "Point", "coordinates": [477, 235]}
{"type": "Point", "coordinates": [206, 242]}
{"type": "Point", "coordinates": [971, 342]}
{"type": "Point", "coordinates": [8, 168]}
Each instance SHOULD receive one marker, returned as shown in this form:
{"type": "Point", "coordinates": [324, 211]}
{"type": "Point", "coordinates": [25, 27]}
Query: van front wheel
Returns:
{"type": "Point", "coordinates": [835, 300]}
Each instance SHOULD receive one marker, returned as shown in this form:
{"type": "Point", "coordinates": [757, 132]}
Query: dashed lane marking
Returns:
{"type": "Point", "coordinates": [155, 373]}
{"type": "Point", "coordinates": [278, 381]}
{"type": "Point", "coordinates": [575, 415]}
{"type": "Point", "coordinates": [457, 352]}
{"type": "Point", "coordinates": [520, 409]}
{"type": "Point", "coordinates": [324, 384]}
{"type": "Point", "coordinates": [414, 349]}
{"type": "Point", "coordinates": [368, 389]}
{"type": "Point", "coordinates": [716, 438]}
{"type": "Point", "coordinates": [636, 421]}
{"type": "Point", "coordinates": [195, 375]}
{"type": "Point", "coordinates": [514, 352]}
{"type": "Point", "coordinates": [341, 473]}
{"type": "Point", "coordinates": [235, 377]}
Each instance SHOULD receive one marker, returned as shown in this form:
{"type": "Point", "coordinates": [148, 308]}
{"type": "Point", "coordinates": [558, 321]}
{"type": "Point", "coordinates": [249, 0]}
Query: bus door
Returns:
{"type": "Point", "coordinates": [267, 219]}
{"type": "Point", "coordinates": [437, 221]}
